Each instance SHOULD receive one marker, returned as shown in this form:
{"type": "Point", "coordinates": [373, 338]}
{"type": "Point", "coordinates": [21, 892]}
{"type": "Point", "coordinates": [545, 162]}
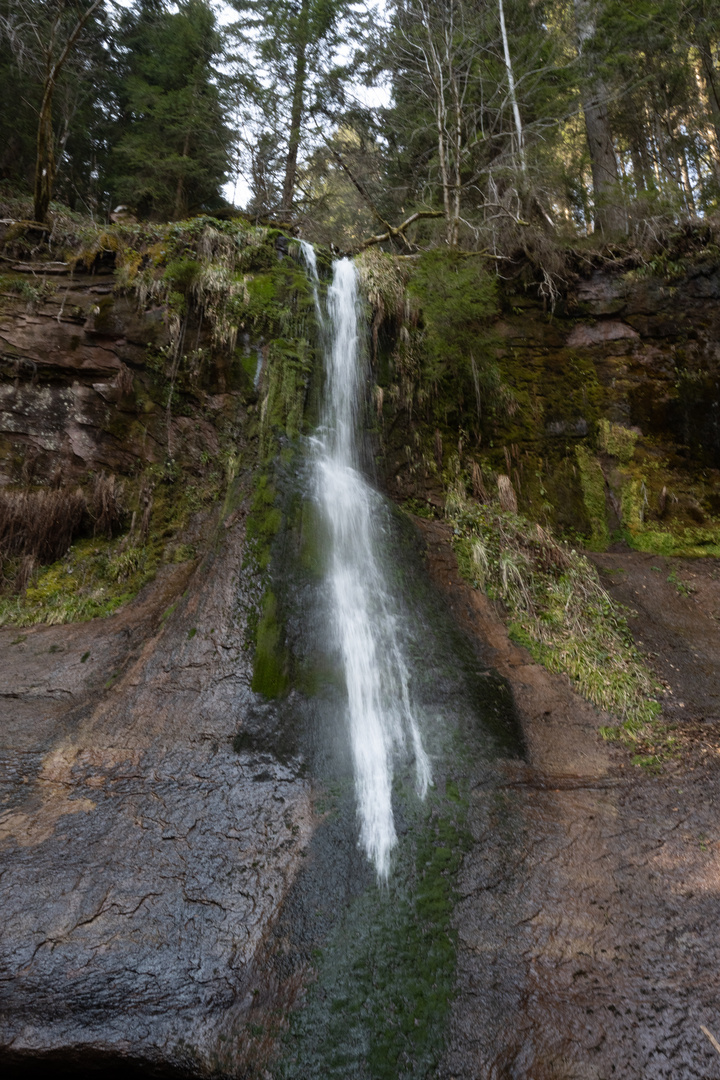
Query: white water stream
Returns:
{"type": "Point", "coordinates": [366, 623]}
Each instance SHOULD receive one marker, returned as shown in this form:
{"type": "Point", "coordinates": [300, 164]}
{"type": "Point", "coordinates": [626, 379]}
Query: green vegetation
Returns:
{"type": "Point", "coordinates": [556, 608]}
{"type": "Point", "coordinates": [171, 143]}
{"type": "Point", "coordinates": [90, 582]}
{"type": "Point", "coordinates": [96, 574]}
{"type": "Point", "coordinates": [455, 297]}
{"type": "Point", "coordinates": [616, 440]}
{"type": "Point", "coordinates": [440, 374]}
{"type": "Point", "coordinates": [270, 674]}
{"type": "Point", "coordinates": [592, 481]}
{"type": "Point", "coordinates": [264, 520]}
{"type": "Point", "coordinates": [386, 978]}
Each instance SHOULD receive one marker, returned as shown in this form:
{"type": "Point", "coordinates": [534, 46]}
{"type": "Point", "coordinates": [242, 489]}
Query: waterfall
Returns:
{"type": "Point", "coordinates": [366, 621]}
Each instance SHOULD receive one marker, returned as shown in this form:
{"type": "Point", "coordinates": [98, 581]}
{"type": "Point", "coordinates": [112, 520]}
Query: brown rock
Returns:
{"type": "Point", "coordinates": [142, 858]}
{"type": "Point", "coordinates": [609, 330]}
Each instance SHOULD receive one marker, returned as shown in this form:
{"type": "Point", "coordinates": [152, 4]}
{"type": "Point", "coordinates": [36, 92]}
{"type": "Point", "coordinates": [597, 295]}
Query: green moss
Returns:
{"type": "Point", "coordinates": [386, 978]}
{"type": "Point", "coordinates": [685, 542]}
{"type": "Point", "coordinates": [592, 481]}
{"type": "Point", "coordinates": [289, 367]}
{"type": "Point", "coordinates": [616, 440]}
{"type": "Point", "coordinates": [249, 363]}
{"type": "Point", "coordinates": [633, 501]}
{"type": "Point", "coordinates": [264, 520]}
{"type": "Point", "coordinates": [263, 294]}
{"type": "Point", "coordinates": [182, 273]}
{"type": "Point", "coordinates": [315, 673]}
{"type": "Point", "coordinates": [313, 539]}
{"type": "Point", "coordinates": [270, 669]}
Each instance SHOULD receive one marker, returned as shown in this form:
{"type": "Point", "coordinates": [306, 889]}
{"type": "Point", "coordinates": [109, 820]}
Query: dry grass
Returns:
{"type": "Point", "coordinates": [106, 508]}
{"type": "Point", "coordinates": [37, 527]}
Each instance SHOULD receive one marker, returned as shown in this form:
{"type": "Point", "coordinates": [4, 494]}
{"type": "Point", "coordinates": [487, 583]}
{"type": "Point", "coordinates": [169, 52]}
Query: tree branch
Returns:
{"type": "Point", "coordinates": [399, 232]}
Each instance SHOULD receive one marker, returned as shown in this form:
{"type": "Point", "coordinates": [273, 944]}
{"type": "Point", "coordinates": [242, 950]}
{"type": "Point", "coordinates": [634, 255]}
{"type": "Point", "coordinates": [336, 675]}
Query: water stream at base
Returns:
{"type": "Point", "coordinates": [366, 621]}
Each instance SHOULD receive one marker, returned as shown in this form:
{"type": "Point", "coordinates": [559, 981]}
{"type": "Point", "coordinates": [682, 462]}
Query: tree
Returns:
{"type": "Point", "coordinates": [172, 145]}
{"type": "Point", "coordinates": [45, 38]}
{"type": "Point", "coordinates": [472, 108]}
{"type": "Point", "coordinates": [437, 48]}
{"type": "Point", "coordinates": [609, 214]}
{"type": "Point", "coordinates": [511, 85]}
{"type": "Point", "coordinates": [298, 75]}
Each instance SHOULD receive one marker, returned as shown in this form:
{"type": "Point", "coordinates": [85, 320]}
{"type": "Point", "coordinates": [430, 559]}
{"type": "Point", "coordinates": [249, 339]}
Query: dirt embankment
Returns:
{"type": "Point", "coordinates": [598, 943]}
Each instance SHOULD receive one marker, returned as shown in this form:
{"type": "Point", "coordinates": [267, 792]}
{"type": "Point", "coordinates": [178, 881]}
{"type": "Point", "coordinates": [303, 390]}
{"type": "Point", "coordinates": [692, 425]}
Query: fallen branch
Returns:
{"type": "Point", "coordinates": [28, 224]}
{"type": "Point", "coordinates": [463, 255]}
{"type": "Point", "coordinates": [399, 233]}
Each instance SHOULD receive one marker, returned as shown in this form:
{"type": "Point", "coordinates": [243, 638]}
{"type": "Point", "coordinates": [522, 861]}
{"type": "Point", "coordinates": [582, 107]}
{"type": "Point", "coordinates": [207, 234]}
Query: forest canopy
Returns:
{"type": "Point", "coordinates": [345, 119]}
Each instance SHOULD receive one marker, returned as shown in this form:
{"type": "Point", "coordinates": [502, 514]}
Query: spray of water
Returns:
{"type": "Point", "coordinates": [366, 622]}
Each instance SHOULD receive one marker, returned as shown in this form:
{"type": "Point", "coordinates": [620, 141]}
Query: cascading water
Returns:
{"type": "Point", "coordinates": [366, 622]}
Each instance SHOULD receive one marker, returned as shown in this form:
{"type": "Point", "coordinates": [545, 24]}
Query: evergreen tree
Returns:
{"type": "Point", "coordinates": [298, 76]}
{"type": "Point", "coordinates": [172, 145]}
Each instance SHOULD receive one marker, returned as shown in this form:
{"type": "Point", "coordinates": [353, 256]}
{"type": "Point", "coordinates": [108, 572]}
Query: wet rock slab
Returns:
{"type": "Point", "coordinates": [142, 860]}
{"type": "Point", "coordinates": [588, 902]}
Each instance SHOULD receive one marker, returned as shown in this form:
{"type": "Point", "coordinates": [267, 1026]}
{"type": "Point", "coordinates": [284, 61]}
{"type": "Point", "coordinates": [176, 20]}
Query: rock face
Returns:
{"type": "Point", "coordinates": [77, 393]}
{"type": "Point", "coordinates": [624, 356]}
{"type": "Point", "coordinates": [143, 861]}
{"type": "Point", "coordinates": [142, 857]}
{"type": "Point", "coordinates": [585, 912]}
{"type": "Point", "coordinates": [62, 355]}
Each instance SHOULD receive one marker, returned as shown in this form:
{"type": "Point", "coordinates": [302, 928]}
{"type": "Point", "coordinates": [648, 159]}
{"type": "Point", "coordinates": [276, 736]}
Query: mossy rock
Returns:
{"type": "Point", "coordinates": [592, 480]}
{"type": "Point", "coordinates": [270, 669]}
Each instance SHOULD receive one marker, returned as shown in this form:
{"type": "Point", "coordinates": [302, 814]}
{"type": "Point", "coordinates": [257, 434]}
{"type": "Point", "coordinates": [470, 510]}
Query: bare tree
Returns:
{"type": "Point", "coordinates": [433, 38]}
{"type": "Point", "coordinates": [44, 37]}
{"type": "Point", "coordinates": [511, 87]}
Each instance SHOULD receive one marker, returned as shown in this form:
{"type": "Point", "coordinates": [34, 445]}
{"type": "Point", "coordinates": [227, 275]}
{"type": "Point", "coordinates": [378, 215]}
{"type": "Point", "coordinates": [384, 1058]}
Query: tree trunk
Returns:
{"type": "Point", "coordinates": [454, 225]}
{"type": "Point", "coordinates": [45, 158]}
{"type": "Point", "coordinates": [296, 112]}
{"type": "Point", "coordinates": [609, 214]}
{"type": "Point", "coordinates": [686, 182]}
{"type": "Point", "coordinates": [707, 79]}
{"type": "Point", "coordinates": [638, 166]}
{"type": "Point", "coordinates": [511, 89]}
{"type": "Point", "coordinates": [180, 207]}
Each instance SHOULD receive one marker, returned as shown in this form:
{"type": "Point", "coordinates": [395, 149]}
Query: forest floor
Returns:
{"type": "Point", "coordinates": [594, 954]}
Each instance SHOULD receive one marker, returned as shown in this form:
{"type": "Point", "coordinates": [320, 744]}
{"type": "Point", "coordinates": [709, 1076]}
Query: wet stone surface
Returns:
{"type": "Point", "coordinates": [142, 858]}
{"type": "Point", "coordinates": [589, 899]}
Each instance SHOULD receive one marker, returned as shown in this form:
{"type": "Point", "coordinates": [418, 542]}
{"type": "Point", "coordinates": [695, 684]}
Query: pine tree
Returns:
{"type": "Point", "coordinates": [172, 146]}
{"type": "Point", "coordinates": [298, 78]}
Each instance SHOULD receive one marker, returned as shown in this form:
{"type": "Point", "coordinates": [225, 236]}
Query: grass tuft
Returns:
{"type": "Point", "coordinates": [557, 609]}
